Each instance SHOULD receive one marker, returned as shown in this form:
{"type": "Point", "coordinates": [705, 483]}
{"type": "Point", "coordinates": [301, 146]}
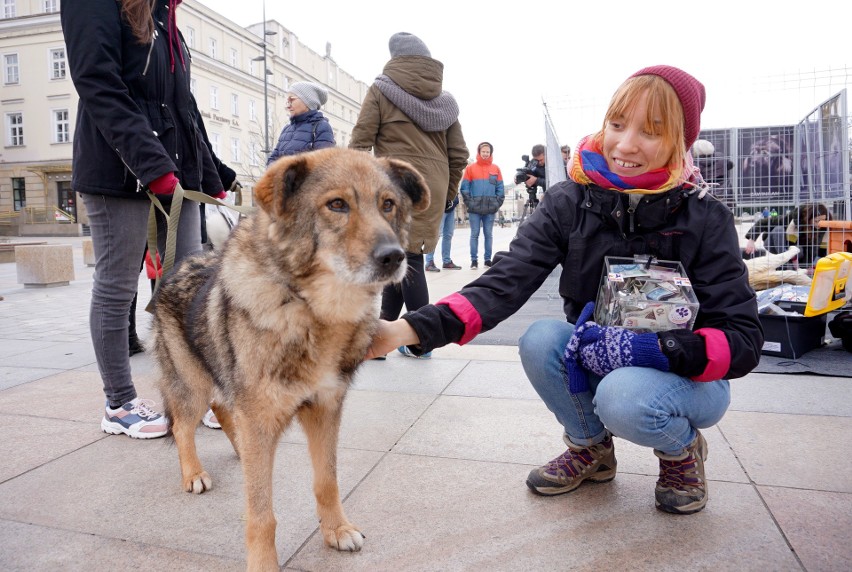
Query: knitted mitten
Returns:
{"type": "Point", "coordinates": [578, 381]}
{"type": "Point", "coordinates": [605, 348]}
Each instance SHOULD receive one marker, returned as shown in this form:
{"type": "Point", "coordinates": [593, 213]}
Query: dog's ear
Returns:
{"type": "Point", "coordinates": [280, 183]}
{"type": "Point", "coordinates": [410, 181]}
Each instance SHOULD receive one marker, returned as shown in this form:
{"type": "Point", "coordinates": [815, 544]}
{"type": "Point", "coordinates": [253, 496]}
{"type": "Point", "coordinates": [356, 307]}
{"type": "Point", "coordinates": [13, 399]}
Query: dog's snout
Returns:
{"type": "Point", "coordinates": [389, 256]}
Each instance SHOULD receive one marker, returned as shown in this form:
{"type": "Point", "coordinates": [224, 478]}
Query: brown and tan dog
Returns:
{"type": "Point", "coordinates": [274, 324]}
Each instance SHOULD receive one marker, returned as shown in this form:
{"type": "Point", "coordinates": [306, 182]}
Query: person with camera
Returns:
{"type": "Point", "coordinates": [632, 190]}
{"type": "Point", "coordinates": [482, 191]}
{"type": "Point", "coordinates": [536, 175]}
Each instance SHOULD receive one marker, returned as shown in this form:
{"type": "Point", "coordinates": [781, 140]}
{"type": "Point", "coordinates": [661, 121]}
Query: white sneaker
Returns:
{"type": "Point", "coordinates": [210, 420]}
{"type": "Point", "coordinates": [135, 419]}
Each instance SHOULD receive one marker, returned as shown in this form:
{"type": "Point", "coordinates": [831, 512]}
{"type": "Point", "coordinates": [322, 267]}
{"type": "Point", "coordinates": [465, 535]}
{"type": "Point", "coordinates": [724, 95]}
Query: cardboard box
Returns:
{"type": "Point", "coordinates": [791, 336]}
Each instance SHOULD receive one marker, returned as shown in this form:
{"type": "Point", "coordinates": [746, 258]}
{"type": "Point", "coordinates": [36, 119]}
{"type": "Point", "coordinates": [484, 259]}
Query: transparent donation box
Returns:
{"type": "Point", "coordinates": [645, 295]}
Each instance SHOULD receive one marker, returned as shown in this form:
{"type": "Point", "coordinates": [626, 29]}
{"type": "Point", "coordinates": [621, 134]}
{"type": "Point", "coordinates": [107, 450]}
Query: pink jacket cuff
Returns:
{"type": "Point", "coordinates": [718, 354]}
{"type": "Point", "coordinates": [464, 311]}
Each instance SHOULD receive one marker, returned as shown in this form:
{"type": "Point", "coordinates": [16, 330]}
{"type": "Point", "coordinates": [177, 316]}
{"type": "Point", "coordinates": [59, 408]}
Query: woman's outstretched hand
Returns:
{"type": "Point", "coordinates": [389, 336]}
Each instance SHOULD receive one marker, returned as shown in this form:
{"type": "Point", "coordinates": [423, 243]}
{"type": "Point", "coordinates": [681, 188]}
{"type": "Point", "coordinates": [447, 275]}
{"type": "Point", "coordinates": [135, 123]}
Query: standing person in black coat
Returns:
{"type": "Point", "coordinates": [137, 129]}
{"type": "Point", "coordinates": [633, 190]}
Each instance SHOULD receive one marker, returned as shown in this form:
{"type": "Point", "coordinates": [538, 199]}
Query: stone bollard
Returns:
{"type": "Point", "coordinates": [88, 252]}
{"type": "Point", "coordinates": [44, 265]}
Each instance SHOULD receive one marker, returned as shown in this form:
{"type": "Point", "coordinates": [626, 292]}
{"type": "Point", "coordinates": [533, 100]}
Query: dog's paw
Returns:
{"type": "Point", "coordinates": [198, 483]}
{"type": "Point", "coordinates": [344, 538]}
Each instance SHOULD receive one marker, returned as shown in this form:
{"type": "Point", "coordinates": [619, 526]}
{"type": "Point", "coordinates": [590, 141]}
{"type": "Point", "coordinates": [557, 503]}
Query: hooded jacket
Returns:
{"type": "Point", "coordinates": [576, 226]}
{"type": "Point", "coordinates": [482, 186]}
{"type": "Point", "coordinates": [136, 118]}
{"type": "Point", "coordinates": [440, 156]}
{"type": "Point", "coordinates": [305, 132]}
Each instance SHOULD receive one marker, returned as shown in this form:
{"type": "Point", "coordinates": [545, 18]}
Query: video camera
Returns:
{"type": "Point", "coordinates": [521, 174]}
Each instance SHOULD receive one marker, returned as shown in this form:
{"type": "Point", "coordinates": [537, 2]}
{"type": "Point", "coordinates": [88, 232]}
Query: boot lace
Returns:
{"type": "Point", "coordinates": [571, 462]}
{"type": "Point", "coordinates": [681, 475]}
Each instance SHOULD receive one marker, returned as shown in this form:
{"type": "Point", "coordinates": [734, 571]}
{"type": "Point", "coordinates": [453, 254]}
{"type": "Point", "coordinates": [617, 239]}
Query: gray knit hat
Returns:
{"type": "Point", "coordinates": [313, 95]}
{"type": "Point", "coordinates": [405, 44]}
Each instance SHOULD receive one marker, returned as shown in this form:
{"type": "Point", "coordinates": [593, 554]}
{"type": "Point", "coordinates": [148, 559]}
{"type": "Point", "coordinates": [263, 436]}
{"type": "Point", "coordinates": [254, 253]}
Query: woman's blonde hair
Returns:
{"type": "Point", "coordinates": [663, 104]}
{"type": "Point", "coordinates": [137, 14]}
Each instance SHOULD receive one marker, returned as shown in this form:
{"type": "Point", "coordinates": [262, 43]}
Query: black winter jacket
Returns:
{"type": "Point", "coordinates": [136, 119]}
{"type": "Point", "coordinates": [576, 227]}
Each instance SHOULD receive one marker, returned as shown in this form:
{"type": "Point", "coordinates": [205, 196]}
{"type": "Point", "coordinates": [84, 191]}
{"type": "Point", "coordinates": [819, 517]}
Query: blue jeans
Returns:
{"type": "Point", "coordinates": [646, 406]}
{"type": "Point", "coordinates": [486, 221]}
{"type": "Point", "coordinates": [445, 231]}
{"type": "Point", "coordinates": [119, 235]}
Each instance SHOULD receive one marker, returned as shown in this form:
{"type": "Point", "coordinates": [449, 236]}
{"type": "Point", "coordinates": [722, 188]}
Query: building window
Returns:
{"type": "Point", "coordinates": [252, 110]}
{"type": "Point", "coordinates": [214, 97]}
{"type": "Point", "coordinates": [51, 6]}
{"type": "Point", "coordinates": [9, 9]}
{"type": "Point", "coordinates": [254, 154]}
{"type": "Point", "coordinates": [214, 143]}
{"type": "Point", "coordinates": [61, 126]}
{"type": "Point", "coordinates": [235, 150]}
{"type": "Point", "coordinates": [235, 105]}
{"type": "Point", "coordinates": [190, 37]}
{"type": "Point", "coordinates": [193, 87]}
{"type": "Point", "coordinates": [19, 192]}
{"type": "Point", "coordinates": [285, 83]}
{"type": "Point", "coordinates": [15, 129]}
{"type": "Point", "coordinates": [252, 68]}
{"type": "Point", "coordinates": [213, 48]}
{"type": "Point", "coordinates": [234, 57]}
{"type": "Point", "coordinates": [10, 69]}
{"type": "Point", "coordinates": [57, 63]}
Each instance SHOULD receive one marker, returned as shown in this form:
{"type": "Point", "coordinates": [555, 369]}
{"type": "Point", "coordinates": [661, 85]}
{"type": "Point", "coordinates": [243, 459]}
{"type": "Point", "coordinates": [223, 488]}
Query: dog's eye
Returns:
{"type": "Point", "coordinates": [338, 206]}
{"type": "Point", "coordinates": [388, 205]}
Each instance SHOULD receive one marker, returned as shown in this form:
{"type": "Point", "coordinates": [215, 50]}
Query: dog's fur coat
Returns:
{"type": "Point", "coordinates": [273, 325]}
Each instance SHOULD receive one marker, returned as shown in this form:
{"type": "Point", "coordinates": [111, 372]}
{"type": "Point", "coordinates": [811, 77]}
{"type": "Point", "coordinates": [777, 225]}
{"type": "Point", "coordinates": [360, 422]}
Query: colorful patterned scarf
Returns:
{"type": "Point", "coordinates": [588, 167]}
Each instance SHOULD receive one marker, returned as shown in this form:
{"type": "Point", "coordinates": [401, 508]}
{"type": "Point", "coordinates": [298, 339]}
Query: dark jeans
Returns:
{"type": "Point", "coordinates": [119, 231]}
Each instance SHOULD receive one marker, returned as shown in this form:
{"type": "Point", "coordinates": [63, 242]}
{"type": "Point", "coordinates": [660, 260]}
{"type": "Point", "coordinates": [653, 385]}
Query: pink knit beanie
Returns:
{"type": "Point", "coordinates": [689, 91]}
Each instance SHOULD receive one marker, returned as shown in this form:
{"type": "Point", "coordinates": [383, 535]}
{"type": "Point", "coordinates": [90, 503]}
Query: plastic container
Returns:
{"type": "Point", "coordinates": [791, 336]}
{"type": "Point", "coordinates": [645, 295]}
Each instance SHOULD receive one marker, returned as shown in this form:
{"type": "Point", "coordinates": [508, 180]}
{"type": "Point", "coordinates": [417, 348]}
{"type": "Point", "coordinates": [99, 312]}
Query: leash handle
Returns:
{"type": "Point", "coordinates": [172, 217]}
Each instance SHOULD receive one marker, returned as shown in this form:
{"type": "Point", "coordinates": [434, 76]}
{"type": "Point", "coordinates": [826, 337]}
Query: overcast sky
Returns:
{"type": "Point", "coordinates": [762, 64]}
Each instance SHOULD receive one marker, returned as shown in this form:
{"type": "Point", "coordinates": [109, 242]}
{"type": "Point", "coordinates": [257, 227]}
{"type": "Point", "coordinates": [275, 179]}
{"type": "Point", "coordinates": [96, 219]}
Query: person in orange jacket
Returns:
{"type": "Point", "coordinates": [482, 191]}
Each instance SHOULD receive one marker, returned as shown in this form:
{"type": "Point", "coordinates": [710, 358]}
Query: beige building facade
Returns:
{"type": "Point", "coordinates": [38, 104]}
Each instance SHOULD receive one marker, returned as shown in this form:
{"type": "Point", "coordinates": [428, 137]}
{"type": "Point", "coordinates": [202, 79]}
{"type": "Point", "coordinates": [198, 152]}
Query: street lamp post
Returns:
{"type": "Point", "coordinates": [266, 74]}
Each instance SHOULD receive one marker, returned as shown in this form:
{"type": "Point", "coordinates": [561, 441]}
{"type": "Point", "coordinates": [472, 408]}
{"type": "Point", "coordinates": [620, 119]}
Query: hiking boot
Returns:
{"type": "Point", "coordinates": [577, 464]}
{"type": "Point", "coordinates": [452, 266]}
{"type": "Point", "coordinates": [488, 263]}
{"type": "Point", "coordinates": [682, 487]}
{"type": "Point", "coordinates": [136, 419]}
{"type": "Point", "coordinates": [210, 420]}
{"type": "Point", "coordinates": [408, 353]}
{"type": "Point", "coordinates": [432, 268]}
{"type": "Point", "coordinates": [474, 265]}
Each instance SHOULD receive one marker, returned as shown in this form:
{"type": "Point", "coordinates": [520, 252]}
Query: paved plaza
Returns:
{"type": "Point", "coordinates": [433, 458]}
